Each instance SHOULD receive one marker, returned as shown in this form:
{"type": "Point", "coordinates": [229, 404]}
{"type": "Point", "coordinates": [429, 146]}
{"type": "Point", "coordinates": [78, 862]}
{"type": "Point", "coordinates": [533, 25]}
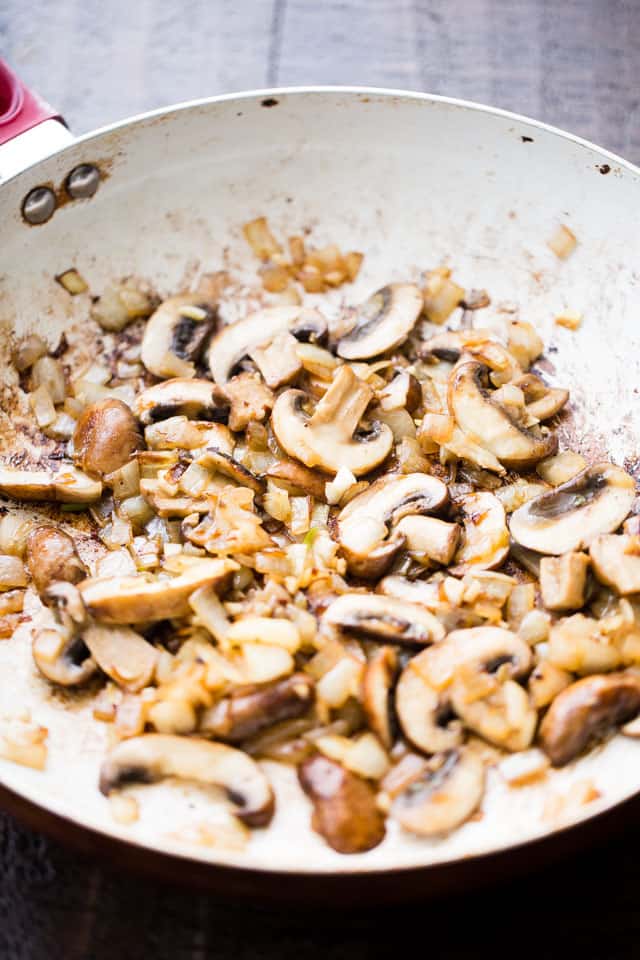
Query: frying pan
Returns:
{"type": "Point", "coordinates": [413, 181]}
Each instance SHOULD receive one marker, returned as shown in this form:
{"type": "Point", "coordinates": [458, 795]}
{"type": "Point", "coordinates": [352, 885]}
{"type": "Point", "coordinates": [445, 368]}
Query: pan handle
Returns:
{"type": "Point", "coordinates": [20, 108]}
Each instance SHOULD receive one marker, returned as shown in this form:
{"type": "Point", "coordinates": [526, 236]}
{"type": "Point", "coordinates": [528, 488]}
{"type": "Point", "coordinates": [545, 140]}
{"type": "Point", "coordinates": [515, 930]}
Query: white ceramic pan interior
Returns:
{"type": "Point", "coordinates": [414, 182]}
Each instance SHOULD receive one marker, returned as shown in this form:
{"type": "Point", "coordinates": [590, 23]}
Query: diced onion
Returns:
{"type": "Point", "coordinates": [563, 242]}
{"type": "Point", "coordinates": [562, 467]}
{"type": "Point", "coordinates": [28, 351]}
{"type": "Point", "coordinates": [72, 282]}
{"type": "Point", "coordinates": [42, 406]}
{"type": "Point", "coordinates": [12, 572]}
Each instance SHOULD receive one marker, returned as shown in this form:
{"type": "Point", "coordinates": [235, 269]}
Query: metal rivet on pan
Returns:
{"type": "Point", "coordinates": [83, 181]}
{"type": "Point", "coordinates": [38, 205]}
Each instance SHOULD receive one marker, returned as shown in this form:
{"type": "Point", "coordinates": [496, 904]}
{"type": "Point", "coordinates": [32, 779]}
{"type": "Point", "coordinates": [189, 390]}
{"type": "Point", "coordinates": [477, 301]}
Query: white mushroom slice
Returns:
{"type": "Point", "coordinates": [122, 654]}
{"type": "Point", "coordinates": [585, 711]}
{"type": "Point", "coordinates": [175, 335]}
{"type": "Point", "coordinates": [504, 717]}
{"type": "Point", "coordinates": [153, 757]}
{"type": "Point", "coordinates": [385, 502]}
{"type": "Point", "coordinates": [429, 539]}
{"type": "Point", "coordinates": [329, 438]}
{"type": "Point", "coordinates": [440, 800]}
{"type": "Point", "coordinates": [61, 656]}
{"type": "Point", "coordinates": [460, 346]}
{"type": "Point", "coordinates": [424, 712]}
{"type": "Point", "coordinates": [489, 424]}
{"type": "Point", "coordinates": [137, 600]}
{"type": "Point", "coordinates": [542, 402]}
{"type": "Point", "coordinates": [220, 462]}
{"type": "Point", "coordinates": [278, 361]}
{"type": "Point", "coordinates": [572, 515]}
{"type": "Point", "coordinates": [380, 618]}
{"type": "Point", "coordinates": [485, 539]}
{"type": "Point", "coordinates": [616, 562]}
{"type": "Point", "coordinates": [238, 340]}
{"type": "Point", "coordinates": [377, 684]}
{"type": "Point", "coordinates": [67, 485]}
{"type": "Point", "coordinates": [383, 322]}
{"type": "Point", "coordinates": [182, 396]}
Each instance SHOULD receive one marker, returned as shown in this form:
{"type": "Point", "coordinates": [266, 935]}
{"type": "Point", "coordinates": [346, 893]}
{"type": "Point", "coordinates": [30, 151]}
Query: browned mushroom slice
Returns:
{"type": "Point", "coordinates": [62, 656]}
{"type": "Point", "coordinates": [424, 712]}
{"type": "Point", "coordinates": [51, 556]}
{"type": "Point", "coordinates": [247, 711]}
{"type": "Point", "coordinates": [238, 340]}
{"type": "Point", "coordinates": [137, 600]}
{"type": "Point", "coordinates": [381, 618]}
{"type": "Point", "coordinates": [106, 437]}
{"type": "Point", "coordinates": [175, 335]}
{"type": "Point", "coordinates": [488, 423]}
{"type": "Point", "coordinates": [542, 402]}
{"type": "Point", "coordinates": [329, 438]}
{"type": "Point", "coordinates": [616, 562]}
{"type": "Point", "coordinates": [586, 710]}
{"type": "Point", "coordinates": [67, 485]}
{"type": "Point", "coordinates": [485, 538]}
{"type": "Point", "coordinates": [572, 515]}
{"type": "Point", "coordinates": [364, 524]}
{"type": "Point", "coordinates": [404, 391]}
{"type": "Point", "coordinates": [156, 756]}
{"type": "Point", "coordinates": [382, 322]}
{"type": "Point", "coordinates": [182, 396]}
{"type": "Point", "coordinates": [344, 806]}
{"type": "Point", "coordinates": [122, 654]}
{"type": "Point", "coordinates": [377, 684]}
{"type": "Point", "coordinates": [278, 361]}
{"type": "Point", "coordinates": [440, 800]}
{"type": "Point", "coordinates": [298, 480]}
{"type": "Point", "coordinates": [251, 400]}
{"type": "Point", "coordinates": [227, 465]}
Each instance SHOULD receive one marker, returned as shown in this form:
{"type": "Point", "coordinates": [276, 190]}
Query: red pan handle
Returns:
{"type": "Point", "coordinates": [20, 108]}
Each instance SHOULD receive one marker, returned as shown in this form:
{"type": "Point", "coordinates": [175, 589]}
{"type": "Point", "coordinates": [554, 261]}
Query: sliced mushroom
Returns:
{"type": "Point", "coordinates": [461, 346]}
{"type": "Point", "coordinates": [122, 654]}
{"type": "Point", "coordinates": [488, 423]}
{"type": "Point", "coordinates": [137, 600]}
{"type": "Point", "coordinates": [62, 656]}
{"type": "Point", "coordinates": [563, 581]}
{"type": "Point", "coordinates": [228, 466]}
{"type": "Point", "coordinates": [616, 562]}
{"type": "Point", "coordinates": [382, 322]}
{"type": "Point", "coordinates": [542, 402]}
{"type": "Point", "coordinates": [51, 556]}
{"type": "Point", "coordinates": [572, 515]}
{"type": "Point", "coordinates": [381, 618]}
{"type": "Point", "coordinates": [423, 711]}
{"type": "Point", "coordinates": [386, 502]}
{"type": "Point", "coordinates": [329, 438]}
{"type": "Point", "coordinates": [106, 437]}
{"type": "Point", "coordinates": [278, 361]}
{"type": "Point", "coordinates": [344, 806]}
{"type": "Point", "coordinates": [249, 710]}
{"type": "Point", "coordinates": [155, 756]}
{"type": "Point", "coordinates": [67, 485]}
{"type": "Point", "coordinates": [175, 335]}
{"type": "Point", "coordinates": [181, 396]}
{"type": "Point", "coordinates": [377, 686]}
{"type": "Point", "coordinates": [403, 392]}
{"type": "Point", "coordinates": [429, 539]}
{"type": "Point", "coordinates": [587, 710]}
{"type": "Point", "coordinates": [251, 400]}
{"type": "Point", "coordinates": [238, 340]}
{"type": "Point", "coordinates": [298, 480]}
{"type": "Point", "coordinates": [440, 800]}
{"type": "Point", "coordinates": [485, 538]}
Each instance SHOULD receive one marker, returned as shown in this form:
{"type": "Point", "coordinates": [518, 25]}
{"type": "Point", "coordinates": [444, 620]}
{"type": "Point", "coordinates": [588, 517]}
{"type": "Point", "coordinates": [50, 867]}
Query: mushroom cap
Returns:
{"type": "Point", "coordinates": [344, 806]}
{"type": "Point", "coordinates": [440, 800]}
{"type": "Point", "coordinates": [52, 556]}
{"type": "Point", "coordinates": [122, 654]}
{"type": "Point", "coordinates": [616, 562]}
{"type": "Point", "coordinates": [489, 424]}
{"type": "Point", "coordinates": [155, 756]}
{"type": "Point", "coordinates": [329, 438]}
{"type": "Point", "coordinates": [382, 322]}
{"type": "Point", "coordinates": [171, 337]}
{"type": "Point", "coordinates": [572, 515]}
{"type": "Point", "coordinates": [423, 712]}
{"type": "Point", "coordinates": [377, 685]}
{"type": "Point", "coordinates": [137, 600]}
{"type": "Point", "coordinates": [106, 436]}
{"type": "Point", "coordinates": [62, 657]}
{"type": "Point", "coordinates": [235, 341]}
{"type": "Point", "coordinates": [182, 396]}
{"type": "Point", "coordinates": [587, 709]}
{"type": "Point", "coordinates": [381, 618]}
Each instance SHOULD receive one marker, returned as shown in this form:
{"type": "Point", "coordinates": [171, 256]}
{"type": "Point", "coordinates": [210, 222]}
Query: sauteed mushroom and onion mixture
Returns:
{"type": "Point", "coordinates": [347, 542]}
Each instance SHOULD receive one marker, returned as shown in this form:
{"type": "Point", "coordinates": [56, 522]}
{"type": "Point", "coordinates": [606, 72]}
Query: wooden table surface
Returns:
{"type": "Point", "coordinates": [574, 63]}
